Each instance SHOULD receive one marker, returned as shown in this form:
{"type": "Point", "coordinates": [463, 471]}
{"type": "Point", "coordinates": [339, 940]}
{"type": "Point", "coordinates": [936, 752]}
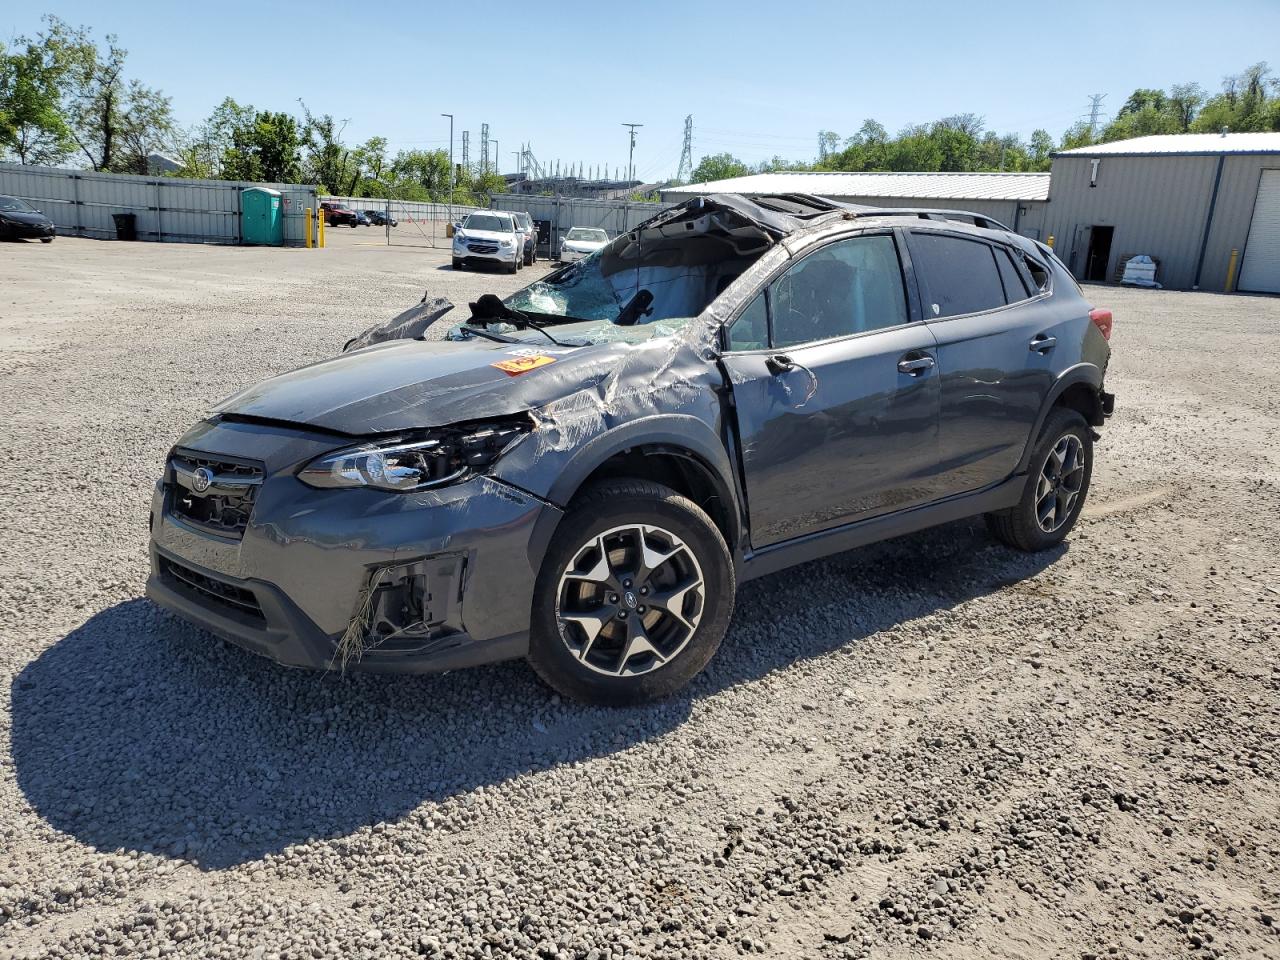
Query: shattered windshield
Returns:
{"type": "Point", "coordinates": [666, 272]}
{"type": "Point", "coordinates": [479, 221]}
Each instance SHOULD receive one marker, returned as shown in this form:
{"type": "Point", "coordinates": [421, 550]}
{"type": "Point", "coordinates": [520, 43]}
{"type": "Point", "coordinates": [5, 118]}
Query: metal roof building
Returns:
{"type": "Point", "coordinates": [1186, 200]}
{"type": "Point", "coordinates": [1016, 199]}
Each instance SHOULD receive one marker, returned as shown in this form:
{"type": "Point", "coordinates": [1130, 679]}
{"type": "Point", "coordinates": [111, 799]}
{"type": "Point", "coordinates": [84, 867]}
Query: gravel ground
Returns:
{"type": "Point", "coordinates": [934, 746]}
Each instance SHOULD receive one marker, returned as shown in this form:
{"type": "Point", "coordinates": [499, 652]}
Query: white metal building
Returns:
{"type": "Point", "coordinates": [1187, 200]}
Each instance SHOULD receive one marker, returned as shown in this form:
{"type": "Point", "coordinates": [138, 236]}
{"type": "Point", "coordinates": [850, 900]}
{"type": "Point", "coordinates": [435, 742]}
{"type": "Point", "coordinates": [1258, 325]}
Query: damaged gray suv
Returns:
{"type": "Point", "coordinates": [583, 473]}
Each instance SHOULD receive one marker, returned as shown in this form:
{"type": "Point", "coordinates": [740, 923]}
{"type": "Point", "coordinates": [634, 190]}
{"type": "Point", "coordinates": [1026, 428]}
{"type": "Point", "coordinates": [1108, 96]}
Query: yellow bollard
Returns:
{"type": "Point", "coordinates": [310, 226]}
{"type": "Point", "coordinates": [320, 228]}
{"type": "Point", "coordinates": [1231, 271]}
{"type": "Point", "coordinates": [1049, 242]}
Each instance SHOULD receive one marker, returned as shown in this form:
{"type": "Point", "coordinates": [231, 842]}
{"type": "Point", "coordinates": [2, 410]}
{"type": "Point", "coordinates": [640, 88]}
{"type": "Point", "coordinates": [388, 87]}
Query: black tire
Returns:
{"type": "Point", "coordinates": [1020, 526]}
{"type": "Point", "coordinates": [604, 507]}
{"type": "Point", "coordinates": [46, 239]}
{"type": "Point", "coordinates": [457, 264]}
{"type": "Point", "coordinates": [514, 265]}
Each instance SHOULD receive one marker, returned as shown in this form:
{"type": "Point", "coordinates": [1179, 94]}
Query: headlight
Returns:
{"type": "Point", "coordinates": [400, 464]}
{"type": "Point", "coordinates": [506, 243]}
{"type": "Point", "coordinates": [458, 237]}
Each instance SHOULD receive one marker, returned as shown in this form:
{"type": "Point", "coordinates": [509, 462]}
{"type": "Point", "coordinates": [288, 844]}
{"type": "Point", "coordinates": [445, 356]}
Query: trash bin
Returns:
{"type": "Point", "coordinates": [126, 226]}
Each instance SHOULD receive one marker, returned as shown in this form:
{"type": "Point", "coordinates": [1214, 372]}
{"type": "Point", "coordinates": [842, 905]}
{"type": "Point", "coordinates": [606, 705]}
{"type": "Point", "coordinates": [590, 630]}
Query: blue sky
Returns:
{"type": "Point", "coordinates": [760, 78]}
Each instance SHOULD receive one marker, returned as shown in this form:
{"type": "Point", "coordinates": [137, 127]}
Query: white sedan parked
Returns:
{"type": "Point", "coordinates": [581, 242]}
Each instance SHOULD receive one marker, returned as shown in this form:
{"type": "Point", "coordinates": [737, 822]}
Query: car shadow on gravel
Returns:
{"type": "Point", "coordinates": [139, 732]}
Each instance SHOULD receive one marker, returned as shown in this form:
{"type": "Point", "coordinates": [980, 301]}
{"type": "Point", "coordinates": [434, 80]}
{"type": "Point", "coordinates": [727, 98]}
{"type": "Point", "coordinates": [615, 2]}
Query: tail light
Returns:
{"type": "Point", "coordinates": [1102, 320]}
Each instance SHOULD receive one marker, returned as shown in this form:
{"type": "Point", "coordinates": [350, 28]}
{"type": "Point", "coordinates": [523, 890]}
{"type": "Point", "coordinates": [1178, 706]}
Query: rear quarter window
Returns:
{"type": "Point", "coordinates": [959, 275]}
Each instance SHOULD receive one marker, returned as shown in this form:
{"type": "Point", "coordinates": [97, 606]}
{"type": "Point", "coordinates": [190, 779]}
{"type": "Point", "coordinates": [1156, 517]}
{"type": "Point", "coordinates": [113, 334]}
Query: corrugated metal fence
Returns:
{"type": "Point", "coordinates": [167, 209]}
{"type": "Point", "coordinates": [564, 213]}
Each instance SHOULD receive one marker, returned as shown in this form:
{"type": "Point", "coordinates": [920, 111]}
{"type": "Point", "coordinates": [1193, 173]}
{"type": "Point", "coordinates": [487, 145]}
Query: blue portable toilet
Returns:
{"type": "Point", "coordinates": [261, 217]}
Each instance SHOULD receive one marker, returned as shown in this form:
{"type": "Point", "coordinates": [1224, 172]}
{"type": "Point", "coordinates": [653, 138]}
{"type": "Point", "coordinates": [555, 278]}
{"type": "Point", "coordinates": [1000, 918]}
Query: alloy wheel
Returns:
{"type": "Point", "coordinates": [630, 600]}
{"type": "Point", "coordinates": [1061, 479]}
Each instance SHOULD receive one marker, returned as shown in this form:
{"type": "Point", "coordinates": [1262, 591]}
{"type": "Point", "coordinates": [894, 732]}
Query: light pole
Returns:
{"type": "Point", "coordinates": [631, 157]}
{"type": "Point", "coordinates": [451, 169]}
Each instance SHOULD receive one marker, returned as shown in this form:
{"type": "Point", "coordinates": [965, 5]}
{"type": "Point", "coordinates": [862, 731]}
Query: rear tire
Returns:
{"type": "Point", "coordinates": [633, 597]}
{"type": "Point", "coordinates": [1058, 477]}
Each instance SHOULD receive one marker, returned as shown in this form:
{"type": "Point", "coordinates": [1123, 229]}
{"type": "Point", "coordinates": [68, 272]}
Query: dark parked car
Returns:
{"type": "Point", "coordinates": [379, 219]}
{"type": "Point", "coordinates": [362, 220]}
{"type": "Point", "coordinates": [584, 473]}
{"type": "Point", "coordinates": [20, 221]}
{"type": "Point", "coordinates": [335, 214]}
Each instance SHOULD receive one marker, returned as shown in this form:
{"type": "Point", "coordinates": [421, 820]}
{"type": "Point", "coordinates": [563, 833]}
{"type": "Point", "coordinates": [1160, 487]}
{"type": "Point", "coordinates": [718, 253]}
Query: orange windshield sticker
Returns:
{"type": "Point", "coordinates": [518, 365]}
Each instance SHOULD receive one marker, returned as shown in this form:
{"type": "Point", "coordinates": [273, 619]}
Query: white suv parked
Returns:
{"type": "Point", "coordinates": [490, 237]}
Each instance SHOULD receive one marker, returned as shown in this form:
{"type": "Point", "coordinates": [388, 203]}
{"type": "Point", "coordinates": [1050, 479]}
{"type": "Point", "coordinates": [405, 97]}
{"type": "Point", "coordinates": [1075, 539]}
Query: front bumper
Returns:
{"type": "Point", "coordinates": [27, 231]}
{"type": "Point", "coordinates": [291, 585]}
{"type": "Point", "coordinates": [499, 257]}
{"type": "Point", "coordinates": [570, 256]}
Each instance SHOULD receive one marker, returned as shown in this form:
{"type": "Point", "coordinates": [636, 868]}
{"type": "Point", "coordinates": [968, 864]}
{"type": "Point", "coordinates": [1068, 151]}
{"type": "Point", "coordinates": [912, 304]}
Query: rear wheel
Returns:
{"type": "Point", "coordinates": [1057, 484]}
{"type": "Point", "coordinates": [633, 597]}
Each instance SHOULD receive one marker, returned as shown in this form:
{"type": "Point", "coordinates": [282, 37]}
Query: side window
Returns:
{"type": "Point", "coordinates": [851, 286]}
{"type": "Point", "coordinates": [1014, 288]}
{"type": "Point", "coordinates": [1039, 275]}
{"type": "Point", "coordinates": [960, 275]}
{"type": "Point", "coordinates": [751, 330]}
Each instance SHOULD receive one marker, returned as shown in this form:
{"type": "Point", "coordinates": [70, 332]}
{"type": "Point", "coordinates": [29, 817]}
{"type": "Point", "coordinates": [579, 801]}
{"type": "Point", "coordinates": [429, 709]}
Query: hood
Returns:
{"type": "Point", "coordinates": [412, 384]}
{"type": "Point", "coordinates": [493, 236]}
{"type": "Point", "coordinates": [29, 217]}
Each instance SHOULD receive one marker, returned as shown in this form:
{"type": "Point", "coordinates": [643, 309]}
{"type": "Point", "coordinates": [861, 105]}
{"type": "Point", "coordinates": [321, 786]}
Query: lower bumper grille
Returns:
{"type": "Point", "coordinates": [482, 248]}
{"type": "Point", "coordinates": [220, 592]}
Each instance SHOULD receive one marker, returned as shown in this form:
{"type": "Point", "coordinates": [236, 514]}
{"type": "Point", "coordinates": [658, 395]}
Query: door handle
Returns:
{"type": "Point", "coordinates": [915, 366]}
{"type": "Point", "coordinates": [1043, 343]}
{"type": "Point", "coordinates": [779, 363]}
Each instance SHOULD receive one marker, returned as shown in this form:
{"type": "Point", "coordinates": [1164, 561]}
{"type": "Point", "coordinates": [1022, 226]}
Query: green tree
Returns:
{"type": "Point", "coordinates": [328, 160]}
{"type": "Point", "coordinates": [1039, 148]}
{"type": "Point", "coordinates": [33, 127]}
{"type": "Point", "coordinates": [719, 166]}
{"type": "Point", "coordinates": [115, 123]}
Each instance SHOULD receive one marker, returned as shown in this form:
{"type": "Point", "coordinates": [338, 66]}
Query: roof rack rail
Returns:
{"type": "Point", "coordinates": [924, 213]}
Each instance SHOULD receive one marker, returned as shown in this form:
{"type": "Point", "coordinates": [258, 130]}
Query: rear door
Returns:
{"type": "Point", "coordinates": [996, 334]}
{"type": "Point", "coordinates": [835, 390]}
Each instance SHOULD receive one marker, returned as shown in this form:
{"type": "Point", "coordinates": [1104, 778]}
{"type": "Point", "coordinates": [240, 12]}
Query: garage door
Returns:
{"type": "Point", "coordinates": [1260, 272]}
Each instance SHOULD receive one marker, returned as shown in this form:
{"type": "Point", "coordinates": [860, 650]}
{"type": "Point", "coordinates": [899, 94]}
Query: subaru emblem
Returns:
{"type": "Point", "coordinates": [201, 479]}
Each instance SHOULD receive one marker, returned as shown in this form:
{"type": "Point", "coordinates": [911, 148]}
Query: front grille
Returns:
{"type": "Point", "coordinates": [225, 506]}
{"type": "Point", "coordinates": [218, 591]}
{"type": "Point", "coordinates": [482, 247]}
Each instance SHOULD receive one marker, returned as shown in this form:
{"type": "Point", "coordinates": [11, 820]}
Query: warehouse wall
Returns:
{"type": "Point", "coordinates": [1157, 205]}
{"type": "Point", "coordinates": [168, 209]}
{"type": "Point", "coordinates": [1030, 224]}
{"type": "Point", "coordinates": [1237, 193]}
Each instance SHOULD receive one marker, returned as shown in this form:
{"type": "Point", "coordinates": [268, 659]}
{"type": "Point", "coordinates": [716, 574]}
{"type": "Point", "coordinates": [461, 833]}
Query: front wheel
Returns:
{"type": "Point", "coordinates": [634, 595]}
{"type": "Point", "coordinates": [46, 239]}
{"type": "Point", "coordinates": [457, 264]}
{"type": "Point", "coordinates": [1057, 484]}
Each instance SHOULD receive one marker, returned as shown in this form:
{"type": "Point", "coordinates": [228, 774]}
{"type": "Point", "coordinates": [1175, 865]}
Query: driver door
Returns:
{"type": "Point", "coordinates": [835, 388]}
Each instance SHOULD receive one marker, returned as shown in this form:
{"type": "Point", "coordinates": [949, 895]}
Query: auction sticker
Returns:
{"type": "Point", "coordinates": [518, 365]}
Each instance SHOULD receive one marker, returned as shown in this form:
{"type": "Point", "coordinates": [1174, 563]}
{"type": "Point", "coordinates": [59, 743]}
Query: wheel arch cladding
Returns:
{"type": "Point", "coordinates": [1078, 388]}
{"type": "Point", "coordinates": [678, 451]}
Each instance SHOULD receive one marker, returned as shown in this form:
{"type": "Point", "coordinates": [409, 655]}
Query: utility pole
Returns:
{"type": "Point", "coordinates": [685, 171]}
{"type": "Point", "coordinates": [452, 171]}
{"type": "Point", "coordinates": [1095, 113]}
{"type": "Point", "coordinates": [631, 157]}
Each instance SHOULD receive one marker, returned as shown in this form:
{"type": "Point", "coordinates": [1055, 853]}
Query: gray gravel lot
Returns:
{"type": "Point", "coordinates": [934, 746]}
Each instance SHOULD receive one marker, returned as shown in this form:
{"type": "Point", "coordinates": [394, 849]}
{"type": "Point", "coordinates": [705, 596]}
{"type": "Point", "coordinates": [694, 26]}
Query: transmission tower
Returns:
{"type": "Point", "coordinates": [1095, 113]}
{"type": "Point", "coordinates": [484, 148]}
{"type": "Point", "coordinates": [466, 149]}
{"type": "Point", "coordinates": [685, 171]}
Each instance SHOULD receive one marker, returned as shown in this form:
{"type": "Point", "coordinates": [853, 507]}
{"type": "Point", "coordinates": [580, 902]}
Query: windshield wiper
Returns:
{"type": "Point", "coordinates": [487, 334]}
{"type": "Point", "coordinates": [540, 328]}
